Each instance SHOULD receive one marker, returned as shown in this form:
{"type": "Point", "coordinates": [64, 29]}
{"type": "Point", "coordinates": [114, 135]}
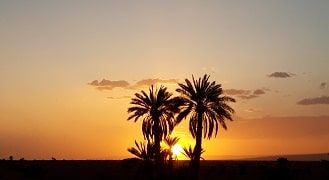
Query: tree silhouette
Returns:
{"type": "Point", "coordinates": [146, 153]}
{"type": "Point", "coordinates": [207, 107]}
{"type": "Point", "coordinates": [189, 152]}
{"type": "Point", "coordinates": [142, 151]}
{"type": "Point", "coordinates": [157, 109]}
{"type": "Point", "coordinates": [171, 142]}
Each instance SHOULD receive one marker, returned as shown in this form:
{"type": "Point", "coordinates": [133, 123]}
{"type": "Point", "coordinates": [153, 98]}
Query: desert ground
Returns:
{"type": "Point", "coordinates": [135, 169]}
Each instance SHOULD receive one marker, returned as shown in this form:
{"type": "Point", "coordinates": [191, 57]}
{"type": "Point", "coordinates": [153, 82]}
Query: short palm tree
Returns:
{"type": "Point", "coordinates": [189, 152]}
{"type": "Point", "coordinates": [157, 110]}
{"type": "Point", "coordinates": [142, 151]}
{"type": "Point", "coordinates": [171, 142]}
{"type": "Point", "coordinates": [207, 107]}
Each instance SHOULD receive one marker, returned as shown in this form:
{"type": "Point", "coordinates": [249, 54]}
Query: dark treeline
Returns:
{"type": "Point", "coordinates": [133, 169]}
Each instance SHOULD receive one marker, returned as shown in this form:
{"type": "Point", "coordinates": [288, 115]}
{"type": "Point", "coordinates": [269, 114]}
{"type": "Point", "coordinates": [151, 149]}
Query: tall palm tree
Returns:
{"type": "Point", "coordinates": [207, 106]}
{"type": "Point", "coordinates": [157, 110]}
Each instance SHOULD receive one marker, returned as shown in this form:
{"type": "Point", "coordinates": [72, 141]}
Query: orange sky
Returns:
{"type": "Point", "coordinates": [272, 57]}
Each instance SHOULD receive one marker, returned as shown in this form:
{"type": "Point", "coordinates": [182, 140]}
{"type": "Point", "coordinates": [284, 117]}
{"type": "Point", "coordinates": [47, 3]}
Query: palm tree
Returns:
{"type": "Point", "coordinates": [157, 109]}
{"type": "Point", "coordinates": [171, 142]}
{"type": "Point", "coordinates": [143, 152]}
{"type": "Point", "coordinates": [189, 152]}
{"type": "Point", "coordinates": [207, 108]}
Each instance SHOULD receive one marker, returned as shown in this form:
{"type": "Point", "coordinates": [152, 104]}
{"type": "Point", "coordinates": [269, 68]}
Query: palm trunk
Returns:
{"type": "Point", "coordinates": [157, 140]}
{"type": "Point", "coordinates": [197, 148]}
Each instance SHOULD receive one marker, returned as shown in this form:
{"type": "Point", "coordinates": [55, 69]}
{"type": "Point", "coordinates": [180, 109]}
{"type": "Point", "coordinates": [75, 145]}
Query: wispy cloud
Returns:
{"type": "Point", "coordinates": [323, 85]}
{"type": "Point", "coordinates": [281, 75]}
{"type": "Point", "coordinates": [253, 110]}
{"type": "Point", "coordinates": [314, 101]}
{"type": "Point", "coordinates": [120, 97]}
{"type": "Point", "coordinates": [236, 91]}
{"type": "Point", "coordinates": [259, 92]}
{"type": "Point", "coordinates": [251, 96]}
{"type": "Point", "coordinates": [110, 85]}
{"type": "Point", "coordinates": [148, 82]}
{"type": "Point", "coordinates": [245, 94]}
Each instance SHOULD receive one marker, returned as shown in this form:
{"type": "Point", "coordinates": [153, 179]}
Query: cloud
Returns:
{"type": "Point", "coordinates": [148, 82]}
{"type": "Point", "coordinates": [323, 85]}
{"type": "Point", "coordinates": [110, 85]}
{"type": "Point", "coordinates": [252, 110]}
{"type": "Point", "coordinates": [94, 83]}
{"type": "Point", "coordinates": [246, 94]}
{"type": "Point", "coordinates": [313, 101]}
{"type": "Point", "coordinates": [259, 92]}
{"type": "Point", "coordinates": [120, 97]}
{"type": "Point", "coordinates": [281, 75]}
{"type": "Point", "coordinates": [236, 91]}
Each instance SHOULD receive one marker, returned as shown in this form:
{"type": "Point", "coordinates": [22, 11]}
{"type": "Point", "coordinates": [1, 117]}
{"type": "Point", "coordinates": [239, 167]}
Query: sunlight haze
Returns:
{"type": "Point", "coordinates": [68, 71]}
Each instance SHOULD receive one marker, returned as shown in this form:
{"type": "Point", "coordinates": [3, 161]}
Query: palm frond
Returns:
{"type": "Point", "coordinates": [142, 151]}
{"type": "Point", "coordinates": [189, 152]}
{"type": "Point", "coordinates": [205, 97]}
{"type": "Point", "coordinates": [171, 141]}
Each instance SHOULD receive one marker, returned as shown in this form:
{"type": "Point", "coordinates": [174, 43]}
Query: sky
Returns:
{"type": "Point", "coordinates": [68, 70]}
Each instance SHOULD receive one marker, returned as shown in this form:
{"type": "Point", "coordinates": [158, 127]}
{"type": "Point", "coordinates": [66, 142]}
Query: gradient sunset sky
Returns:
{"type": "Point", "coordinates": [68, 70]}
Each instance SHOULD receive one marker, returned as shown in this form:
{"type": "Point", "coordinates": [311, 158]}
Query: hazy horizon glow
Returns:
{"type": "Point", "coordinates": [69, 69]}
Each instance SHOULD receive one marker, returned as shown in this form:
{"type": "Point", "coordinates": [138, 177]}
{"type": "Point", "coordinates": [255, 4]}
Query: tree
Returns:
{"type": "Point", "coordinates": [189, 152]}
{"type": "Point", "coordinates": [207, 106]}
{"type": "Point", "coordinates": [157, 109]}
{"type": "Point", "coordinates": [171, 142]}
{"type": "Point", "coordinates": [143, 152]}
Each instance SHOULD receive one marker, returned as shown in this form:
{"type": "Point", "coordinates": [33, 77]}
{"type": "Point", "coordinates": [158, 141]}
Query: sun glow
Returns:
{"type": "Point", "coordinates": [176, 150]}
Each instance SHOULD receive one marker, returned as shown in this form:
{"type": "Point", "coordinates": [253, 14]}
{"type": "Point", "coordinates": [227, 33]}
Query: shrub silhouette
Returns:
{"type": "Point", "coordinates": [283, 168]}
{"type": "Point", "coordinates": [282, 163]}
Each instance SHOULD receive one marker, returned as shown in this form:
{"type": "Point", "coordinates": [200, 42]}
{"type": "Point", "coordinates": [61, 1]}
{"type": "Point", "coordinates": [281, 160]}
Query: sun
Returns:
{"type": "Point", "coordinates": [176, 150]}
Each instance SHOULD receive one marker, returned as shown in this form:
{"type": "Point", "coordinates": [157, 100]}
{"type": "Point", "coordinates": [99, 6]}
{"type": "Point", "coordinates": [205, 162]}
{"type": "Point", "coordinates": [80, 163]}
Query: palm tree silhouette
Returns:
{"type": "Point", "coordinates": [171, 142]}
{"type": "Point", "coordinates": [142, 151]}
{"type": "Point", "coordinates": [207, 108]}
{"type": "Point", "coordinates": [157, 109]}
{"type": "Point", "coordinates": [189, 152]}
